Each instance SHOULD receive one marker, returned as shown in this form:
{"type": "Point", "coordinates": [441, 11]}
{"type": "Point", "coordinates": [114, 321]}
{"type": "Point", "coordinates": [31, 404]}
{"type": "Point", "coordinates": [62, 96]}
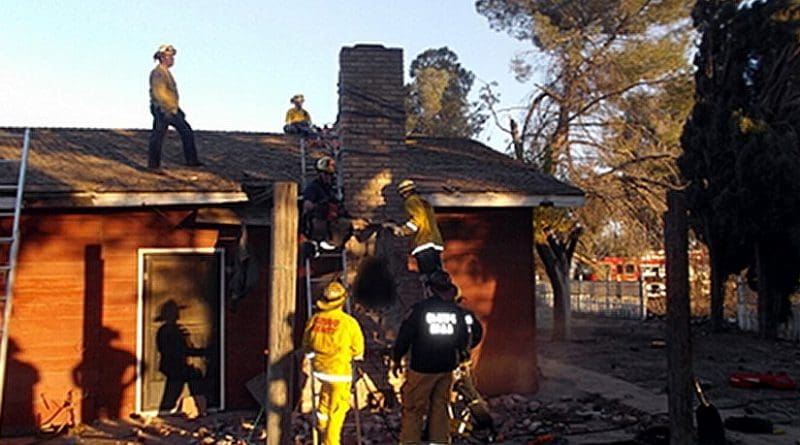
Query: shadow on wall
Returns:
{"type": "Point", "coordinates": [489, 255]}
{"type": "Point", "coordinates": [102, 391]}
{"type": "Point", "coordinates": [175, 347]}
{"type": "Point", "coordinates": [17, 414]}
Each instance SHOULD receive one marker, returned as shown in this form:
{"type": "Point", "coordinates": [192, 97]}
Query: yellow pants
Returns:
{"type": "Point", "coordinates": [425, 395]}
{"type": "Point", "coordinates": [334, 402]}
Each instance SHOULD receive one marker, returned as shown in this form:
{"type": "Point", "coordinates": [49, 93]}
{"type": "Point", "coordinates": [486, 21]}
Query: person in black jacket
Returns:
{"type": "Point", "coordinates": [324, 220]}
{"type": "Point", "coordinates": [437, 332]}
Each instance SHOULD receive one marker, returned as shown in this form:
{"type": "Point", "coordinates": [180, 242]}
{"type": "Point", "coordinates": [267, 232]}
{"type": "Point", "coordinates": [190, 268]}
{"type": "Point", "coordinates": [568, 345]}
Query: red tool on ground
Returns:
{"type": "Point", "coordinates": [542, 439]}
{"type": "Point", "coordinates": [769, 380]}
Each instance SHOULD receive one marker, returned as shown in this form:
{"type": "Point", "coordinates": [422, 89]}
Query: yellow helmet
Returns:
{"type": "Point", "coordinates": [326, 164]}
{"type": "Point", "coordinates": [334, 291]}
{"type": "Point", "coordinates": [405, 186]}
{"type": "Point", "coordinates": [297, 98]}
{"type": "Point", "coordinates": [333, 296]}
{"type": "Point", "coordinates": [165, 49]}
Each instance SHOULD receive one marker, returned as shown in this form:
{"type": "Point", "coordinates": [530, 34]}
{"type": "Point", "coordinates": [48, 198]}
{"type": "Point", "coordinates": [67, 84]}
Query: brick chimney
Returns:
{"type": "Point", "coordinates": [372, 128]}
{"type": "Point", "coordinates": [372, 120]}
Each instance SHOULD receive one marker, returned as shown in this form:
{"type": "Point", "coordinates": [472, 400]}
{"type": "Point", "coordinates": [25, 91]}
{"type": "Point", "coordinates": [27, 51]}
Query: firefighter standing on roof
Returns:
{"type": "Point", "coordinates": [165, 110]}
{"type": "Point", "coordinates": [437, 332]}
{"type": "Point", "coordinates": [427, 240]}
{"type": "Point", "coordinates": [333, 339]}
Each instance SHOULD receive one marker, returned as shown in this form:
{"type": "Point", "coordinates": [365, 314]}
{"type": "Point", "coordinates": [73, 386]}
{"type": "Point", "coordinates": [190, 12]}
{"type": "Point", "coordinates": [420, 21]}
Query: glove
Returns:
{"type": "Point", "coordinates": [397, 231]}
{"type": "Point", "coordinates": [397, 369]}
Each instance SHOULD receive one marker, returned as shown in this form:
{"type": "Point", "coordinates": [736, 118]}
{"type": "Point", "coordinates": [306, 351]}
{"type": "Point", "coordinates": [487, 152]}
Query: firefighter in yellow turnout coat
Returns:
{"type": "Point", "coordinates": [334, 338]}
{"type": "Point", "coordinates": [427, 243]}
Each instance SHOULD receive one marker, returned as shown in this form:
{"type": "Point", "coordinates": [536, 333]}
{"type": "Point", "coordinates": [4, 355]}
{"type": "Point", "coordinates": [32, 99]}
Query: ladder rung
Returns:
{"type": "Point", "coordinates": [7, 202]}
{"type": "Point", "coordinates": [12, 135]}
{"type": "Point", "coordinates": [5, 268]}
{"type": "Point", "coordinates": [8, 187]}
{"type": "Point", "coordinates": [6, 239]}
{"type": "Point", "coordinates": [5, 214]}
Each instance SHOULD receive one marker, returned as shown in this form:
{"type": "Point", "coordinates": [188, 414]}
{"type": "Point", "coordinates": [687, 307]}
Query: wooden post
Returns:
{"type": "Point", "coordinates": [679, 348]}
{"type": "Point", "coordinates": [281, 310]}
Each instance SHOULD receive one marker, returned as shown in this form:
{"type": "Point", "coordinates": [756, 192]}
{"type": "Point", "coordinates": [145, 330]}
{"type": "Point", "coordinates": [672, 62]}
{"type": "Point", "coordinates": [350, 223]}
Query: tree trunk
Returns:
{"type": "Point", "coordinates": [767, 315]}
{"type": "Point", "coordinates": [516, 139]}
{"type": "Point", "coordinates": [559, 282]}
{"type": "Point", "coordinates": [718, 279]}
{"type": "Point", "coordinates": [556, 255]}
{"type": "Point", "coordinates": [679, 349]}
{"type": "Point", "coordinates": [559, 142]}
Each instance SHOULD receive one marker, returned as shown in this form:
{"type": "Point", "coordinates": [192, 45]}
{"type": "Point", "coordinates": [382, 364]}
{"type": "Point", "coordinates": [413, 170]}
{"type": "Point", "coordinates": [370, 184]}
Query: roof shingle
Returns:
{"type": "Point", "coordinates": [65, 160]}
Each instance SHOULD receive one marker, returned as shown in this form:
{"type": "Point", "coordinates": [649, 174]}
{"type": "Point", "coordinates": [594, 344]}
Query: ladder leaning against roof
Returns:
{"type": "Point", "coordinates": [327, 145]}
{"type": "Point", "coordinates": [10, 206]}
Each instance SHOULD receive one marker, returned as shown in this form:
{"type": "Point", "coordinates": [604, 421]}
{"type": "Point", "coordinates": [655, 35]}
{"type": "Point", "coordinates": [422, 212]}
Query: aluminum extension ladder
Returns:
{"type": "Point", "coordinates": [10, 206]}
{"type": "Point", "coordinates": [307, 169]}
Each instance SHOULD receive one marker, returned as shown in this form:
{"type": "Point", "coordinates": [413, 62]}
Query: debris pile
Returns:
{"type": "Point", "coordinates": [517, 418]}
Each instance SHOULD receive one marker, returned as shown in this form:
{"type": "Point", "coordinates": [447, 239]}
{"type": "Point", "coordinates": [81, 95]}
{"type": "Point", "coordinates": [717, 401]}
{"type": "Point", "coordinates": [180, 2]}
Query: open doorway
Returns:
{"type": "Point", "coordinates": [180, 328]}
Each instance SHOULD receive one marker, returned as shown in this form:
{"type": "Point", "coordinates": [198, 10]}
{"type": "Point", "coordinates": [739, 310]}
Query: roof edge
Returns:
{"type": "Point", "coordinates": [501, 199]}
{"type": "Point", "coordinates": [134, 199]}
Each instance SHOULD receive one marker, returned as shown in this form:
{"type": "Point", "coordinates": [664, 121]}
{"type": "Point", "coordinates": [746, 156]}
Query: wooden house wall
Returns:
{"type": "Point", "coordinates": [489, 254]}
{"type": "Point", "coordinates": [76, 288]}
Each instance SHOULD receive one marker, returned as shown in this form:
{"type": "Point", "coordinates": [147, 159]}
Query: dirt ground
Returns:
{"type": "Point", "coordinates": [623, 349]}
{"type": "Point", "coordinates": [620, 350]}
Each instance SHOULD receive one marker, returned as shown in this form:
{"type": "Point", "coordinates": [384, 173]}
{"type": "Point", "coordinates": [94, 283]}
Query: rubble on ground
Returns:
{"type": "Point", "coordinates": [518, 418]}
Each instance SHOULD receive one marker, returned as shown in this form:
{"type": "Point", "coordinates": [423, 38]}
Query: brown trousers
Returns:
{"type": "Point", "coordinates": [425, 395]}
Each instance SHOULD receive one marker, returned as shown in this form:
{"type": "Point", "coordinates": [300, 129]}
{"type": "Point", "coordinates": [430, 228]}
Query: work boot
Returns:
{"type": "Point", "coordinates": [309, 250]}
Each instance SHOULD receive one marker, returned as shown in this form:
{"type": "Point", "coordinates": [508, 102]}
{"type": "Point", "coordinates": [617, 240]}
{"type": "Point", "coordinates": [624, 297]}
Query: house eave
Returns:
{"type": "Point", "coordinates": [500, 199]}
{"type": "Point", "coordinates": [132, 199]}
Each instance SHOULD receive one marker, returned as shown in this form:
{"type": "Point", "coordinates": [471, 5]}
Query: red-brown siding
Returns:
{"type": "Point", "coordinates": [489, 255]}
{"type": "Point", "coordinates": [77, 287]}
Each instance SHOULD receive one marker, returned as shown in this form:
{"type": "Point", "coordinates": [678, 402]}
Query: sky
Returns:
{"type": "Point", "coordinates": [85, 63]}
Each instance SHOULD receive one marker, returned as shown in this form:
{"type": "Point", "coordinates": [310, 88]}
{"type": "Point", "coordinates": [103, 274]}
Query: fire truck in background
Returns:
{"type": "Point", "coordinates": [649, 269]}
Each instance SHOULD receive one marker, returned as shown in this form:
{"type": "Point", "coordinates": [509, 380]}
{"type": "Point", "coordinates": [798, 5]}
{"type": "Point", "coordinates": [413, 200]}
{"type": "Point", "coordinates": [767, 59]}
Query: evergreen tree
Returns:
{"type": "Point", "coordinates": [608, 113]}
{"type": "Point", "coordinates": [742, 151]}
{"type": "Point", "coordinates": [437, 101]}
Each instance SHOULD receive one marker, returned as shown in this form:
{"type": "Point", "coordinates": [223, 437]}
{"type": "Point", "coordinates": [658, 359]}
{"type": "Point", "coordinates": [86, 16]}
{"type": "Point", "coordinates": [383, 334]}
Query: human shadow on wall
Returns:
{"type": "Point", "coordinates": [175, 347]}
{"type": "Point", "coordinates": [18, 416]}
{"type": "Point", "coordinates": [115, 374]}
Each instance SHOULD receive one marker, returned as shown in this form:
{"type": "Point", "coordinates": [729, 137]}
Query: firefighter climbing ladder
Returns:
{"type": "Point", "coordinates": [328, 147]}
{"type": "Point", "coordinates": [10, 206]}
{"type": "Point", "coordinates": [307, 155]}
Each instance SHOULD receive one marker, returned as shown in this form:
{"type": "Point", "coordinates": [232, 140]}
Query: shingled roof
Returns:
{"type": "Point", "coordinates": [111, 162]}
{"type": "Point", "coordinates": [458, 165]}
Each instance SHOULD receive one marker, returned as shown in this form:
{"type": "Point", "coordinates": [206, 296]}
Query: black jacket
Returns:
{"type": "Point", "coordinates": [437, 333]}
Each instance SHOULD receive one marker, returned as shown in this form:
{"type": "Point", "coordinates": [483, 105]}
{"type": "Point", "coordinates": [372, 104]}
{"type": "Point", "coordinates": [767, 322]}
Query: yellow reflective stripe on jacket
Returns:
{"type": "Point", "coordinates": [332, 377]}
{"type": "Point", "coordinates": [427, 246]}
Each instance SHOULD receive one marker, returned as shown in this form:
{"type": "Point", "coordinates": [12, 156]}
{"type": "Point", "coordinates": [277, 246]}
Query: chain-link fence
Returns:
{"type": "Point", "coordinates": [623, 299]}
{"type": "Point", "coordinates": [747, 313]}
